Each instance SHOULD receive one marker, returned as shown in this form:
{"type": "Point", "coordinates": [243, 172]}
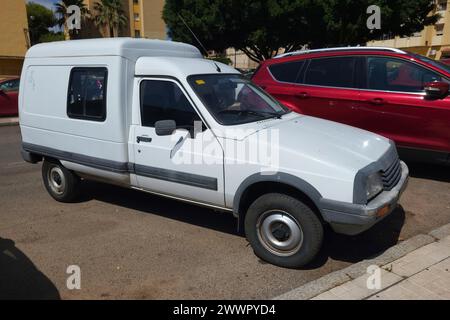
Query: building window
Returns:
{"type": "Point", "coordinates": [439, 29]}
{"type": "Point", "coordinates": [136, 17]}
{"type": "Point", "coordinates": [441, 5]}
{"type": "Point", "coordinates": [87, 94]}
{"type": "Point", "coordinates": [137, 33]}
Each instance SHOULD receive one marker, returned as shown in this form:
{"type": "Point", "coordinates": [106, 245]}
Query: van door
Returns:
{"type": "Point", "coordinates": [187, 163]}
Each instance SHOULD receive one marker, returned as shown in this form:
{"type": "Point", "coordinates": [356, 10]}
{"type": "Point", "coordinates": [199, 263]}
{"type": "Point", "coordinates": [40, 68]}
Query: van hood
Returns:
{"type": "Point", "coordinates": [333, 145]}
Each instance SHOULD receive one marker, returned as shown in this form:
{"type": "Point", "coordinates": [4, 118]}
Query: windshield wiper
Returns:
{"type": "Point", "coordinates": [254, 113]}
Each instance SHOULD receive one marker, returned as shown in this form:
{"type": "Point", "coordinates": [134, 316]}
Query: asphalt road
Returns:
{"type": "Point", "coordinates": [130, 244]}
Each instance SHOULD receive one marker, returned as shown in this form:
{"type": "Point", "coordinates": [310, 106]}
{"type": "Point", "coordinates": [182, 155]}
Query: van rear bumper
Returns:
{"type": "Point", "coordinates": [30, 157]}
{"type": "Point", "coordinates": [352, 219]}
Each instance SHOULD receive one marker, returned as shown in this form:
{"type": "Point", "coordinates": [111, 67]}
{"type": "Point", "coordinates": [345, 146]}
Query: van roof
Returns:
{"type": "Point", "coordinates": [129, 48]}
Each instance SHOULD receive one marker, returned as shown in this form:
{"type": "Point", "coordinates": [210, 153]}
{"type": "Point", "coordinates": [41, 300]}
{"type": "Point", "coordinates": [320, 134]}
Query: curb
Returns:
{"type": "Point", "coordinates": [4, 122]}
{"type": "Point", "coordinates": [334, 279]}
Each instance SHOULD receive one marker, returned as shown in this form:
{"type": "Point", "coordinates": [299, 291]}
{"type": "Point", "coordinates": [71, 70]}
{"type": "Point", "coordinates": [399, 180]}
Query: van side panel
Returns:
{"type": "Point", "coordinates": [45, 124]}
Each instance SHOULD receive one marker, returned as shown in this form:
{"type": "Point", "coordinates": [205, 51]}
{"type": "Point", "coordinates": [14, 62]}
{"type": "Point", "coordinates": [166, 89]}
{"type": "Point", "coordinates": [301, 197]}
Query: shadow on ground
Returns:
{"type": "Point", "coordinates": [366, 245]}
{"type": "Point", "coordinates": [19, 277]}
{"type": "Point", "coordinates": [435, 172]}
{"type": "Point", "coordinates": [338, 247]}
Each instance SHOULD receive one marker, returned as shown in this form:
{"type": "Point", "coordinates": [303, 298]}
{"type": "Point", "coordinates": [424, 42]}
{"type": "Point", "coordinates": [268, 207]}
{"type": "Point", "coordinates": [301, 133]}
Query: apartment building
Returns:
{"type": "Point", "coordinates": [14, 39]}
{"type": "Point", "coordinates": [433, 41]}
{"type": "Point", "coordinates": [144, 20]}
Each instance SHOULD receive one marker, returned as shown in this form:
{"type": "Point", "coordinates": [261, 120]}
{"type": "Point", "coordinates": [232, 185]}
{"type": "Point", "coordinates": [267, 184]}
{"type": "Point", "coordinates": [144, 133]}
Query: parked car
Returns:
{"type": "Point", "coordinates": [445, 60]}
{"type": "Point", "coordinates": [9, 91]}
{"type": "Point", "coordinates": [402, 96]}
{"type": "Point", "coordinates": [157, 117]}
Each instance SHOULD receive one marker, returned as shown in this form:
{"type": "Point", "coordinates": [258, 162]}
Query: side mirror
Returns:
{"type": "Point", "coordinates": [165, 127]}
{"type": "Point", "coordinates": [437, 90]}
{"type": "Point", "coordinates": [2, 92]}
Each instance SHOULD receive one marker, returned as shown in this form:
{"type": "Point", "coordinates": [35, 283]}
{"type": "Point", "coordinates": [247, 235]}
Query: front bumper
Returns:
{"type": "Point", "coordinates": [352, 219]}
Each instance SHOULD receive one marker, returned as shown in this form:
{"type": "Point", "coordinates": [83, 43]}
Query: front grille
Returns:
{"type": "Point", "coordinates": [391, 175]}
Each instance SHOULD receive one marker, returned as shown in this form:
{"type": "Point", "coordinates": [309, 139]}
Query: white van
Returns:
{"type": "Point", "coordinates": [158, 117]}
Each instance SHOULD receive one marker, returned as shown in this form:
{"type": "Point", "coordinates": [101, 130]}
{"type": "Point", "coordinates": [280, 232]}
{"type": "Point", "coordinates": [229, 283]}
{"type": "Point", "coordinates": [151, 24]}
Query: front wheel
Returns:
{"type": "Point", "coordinates": [283, 230]}
{"type": "Point", "coordinates": [61, 184]}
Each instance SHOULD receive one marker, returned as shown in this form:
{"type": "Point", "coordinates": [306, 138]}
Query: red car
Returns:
{"type": "Point", "coordinates": [445, 60]}
{"type": "Point", "coordinates": [399, 95]}
{"type": "Point", "coordinates": [9, 92]}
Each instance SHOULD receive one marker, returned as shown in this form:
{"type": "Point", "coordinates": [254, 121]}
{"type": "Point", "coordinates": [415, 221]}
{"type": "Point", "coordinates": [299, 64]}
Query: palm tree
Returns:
{"type": "Point", "coordinates": [61, 12]}
{"type": "Point", "coordinates": [110, 15]}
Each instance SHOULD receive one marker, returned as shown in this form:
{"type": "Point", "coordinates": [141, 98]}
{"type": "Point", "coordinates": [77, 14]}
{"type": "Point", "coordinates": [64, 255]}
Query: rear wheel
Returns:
{"type": "Point", "coordinates": [61, 184]}
{"type": "Point", "coordinates": [283, 230]}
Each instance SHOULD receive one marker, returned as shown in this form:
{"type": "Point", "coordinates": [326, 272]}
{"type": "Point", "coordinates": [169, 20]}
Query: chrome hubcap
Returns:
{"type": "Point", "coordinates": [279, 233]}
{"type": "Point", "coordinates": [56, 180]}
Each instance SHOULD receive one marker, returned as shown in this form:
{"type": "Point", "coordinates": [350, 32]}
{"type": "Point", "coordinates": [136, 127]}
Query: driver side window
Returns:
{"type": "Point", "coordinates": [390, 74]}
{"type": "Point", "coordinates": [164, 100]}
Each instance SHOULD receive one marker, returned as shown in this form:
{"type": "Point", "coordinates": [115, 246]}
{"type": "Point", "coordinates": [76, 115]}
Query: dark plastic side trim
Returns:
{"type": "Point", "coordinates": [123, 167]}
{"type": "Point", "coordinates": [98, 163]}
{"type": "Point", "coordinates": [177, 176]}
{"type": "Point", "coordinates": [279, 177]}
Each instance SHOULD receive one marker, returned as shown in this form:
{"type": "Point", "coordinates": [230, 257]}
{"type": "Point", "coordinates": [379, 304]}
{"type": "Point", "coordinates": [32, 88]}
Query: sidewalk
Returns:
{"type": "Point", "coordinates": [422, 273]}
{"type": "Point", "coordinates": [10, 121]}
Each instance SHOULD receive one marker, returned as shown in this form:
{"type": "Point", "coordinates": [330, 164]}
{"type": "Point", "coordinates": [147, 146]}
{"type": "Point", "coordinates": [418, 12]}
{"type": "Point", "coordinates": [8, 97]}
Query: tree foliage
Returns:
{"type": "Point", "coordinates": [261, 27]}
{"type": "Point", "coordinates": [40, 20]}
{"type": "Point", "coordinates": [110, 14]}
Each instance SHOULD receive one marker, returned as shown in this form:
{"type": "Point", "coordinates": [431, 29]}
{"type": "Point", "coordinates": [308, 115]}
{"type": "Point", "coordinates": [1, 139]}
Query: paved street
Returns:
{"type": "Point", "coordinates": [134, 245]}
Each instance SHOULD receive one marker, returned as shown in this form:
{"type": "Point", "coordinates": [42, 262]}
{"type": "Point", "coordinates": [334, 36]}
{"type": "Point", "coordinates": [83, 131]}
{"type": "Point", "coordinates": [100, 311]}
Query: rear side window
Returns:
{"type": "Point", "coordinates": [87, 94]}
{"type": "Point", "coordinates": [286, 72]}
{"type": "Point", "coordinates": [164, 100]}
{"type": "Point", "coordinates": [390, 74]}
{"type": "Point", "coordinates": [332, 72]}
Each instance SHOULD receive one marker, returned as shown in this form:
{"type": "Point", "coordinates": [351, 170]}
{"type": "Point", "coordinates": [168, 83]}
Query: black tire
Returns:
{"type": "Point", "coordinates": [68, 188]}
{"type": "Point", "coordinates": [278, 213]}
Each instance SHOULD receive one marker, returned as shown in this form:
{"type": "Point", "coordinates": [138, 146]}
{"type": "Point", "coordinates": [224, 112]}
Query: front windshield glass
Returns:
{"type": "Point", "coordinates": [232, 99]}
{"type": "Point", "coordinates": [435, 63]}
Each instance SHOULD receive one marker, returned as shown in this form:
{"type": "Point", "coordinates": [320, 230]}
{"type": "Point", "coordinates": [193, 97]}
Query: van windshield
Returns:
{"type": "Point", "coordinates": [233, 100]}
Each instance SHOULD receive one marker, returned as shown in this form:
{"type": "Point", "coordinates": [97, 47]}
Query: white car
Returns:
{"type": "Point", "coordinates": [158, 117]}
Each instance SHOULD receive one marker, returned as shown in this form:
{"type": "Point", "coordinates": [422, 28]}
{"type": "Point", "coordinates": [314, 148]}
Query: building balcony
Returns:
{"type": "Point", "coordinates": [436, 41]}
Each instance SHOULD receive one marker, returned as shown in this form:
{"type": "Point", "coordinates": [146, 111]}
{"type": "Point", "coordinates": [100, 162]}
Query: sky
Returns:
{"type": "Point", "coordinates": [48, 3]}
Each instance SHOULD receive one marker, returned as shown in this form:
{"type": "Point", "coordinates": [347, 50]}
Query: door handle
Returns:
{"type": "Point", "coordinates": [140, 139]}
{"type": "Point", "coordinates": [377, 101]}
{"type": "Point", "coordinates": [303, 95]}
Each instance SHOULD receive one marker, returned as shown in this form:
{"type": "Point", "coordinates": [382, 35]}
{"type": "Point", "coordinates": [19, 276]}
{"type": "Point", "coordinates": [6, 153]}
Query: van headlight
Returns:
{"type": "Point", "coordinates": [374, 185]}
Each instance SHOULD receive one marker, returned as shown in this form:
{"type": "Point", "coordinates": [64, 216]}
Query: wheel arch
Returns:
{"type": "Point", "coordinates": [258, 184]}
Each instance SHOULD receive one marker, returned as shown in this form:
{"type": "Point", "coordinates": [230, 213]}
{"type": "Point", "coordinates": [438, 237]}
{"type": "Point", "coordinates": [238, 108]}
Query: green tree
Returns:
{"type": "Point", "coordinates": [40, 20]}
{"type": "Point", "coordinates": [51, 37]}
{"type": "Point", "coordinates": [261, 27]}
{"type": "Point", "coordinates": [61, 11]}
{"type": "Point", "coordinates": [110, 14]}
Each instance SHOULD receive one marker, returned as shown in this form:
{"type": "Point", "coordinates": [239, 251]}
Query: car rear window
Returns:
{"type": "Point", "coordinates": [286, 72]}
{"type": "Point", "coordinates": [331, 72]}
